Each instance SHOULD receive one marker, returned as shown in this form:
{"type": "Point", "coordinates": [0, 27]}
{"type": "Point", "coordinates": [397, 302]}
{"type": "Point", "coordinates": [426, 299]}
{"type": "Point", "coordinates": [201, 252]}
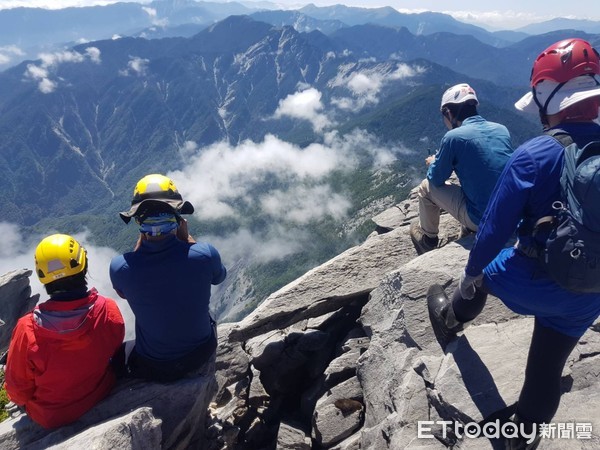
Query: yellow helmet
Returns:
{"type": "Point", "coordinates": [155, 186]}
{"type": "Point", "coordinates": [59, 256]}
{"type": "Point", "coordinates": [156, 193]}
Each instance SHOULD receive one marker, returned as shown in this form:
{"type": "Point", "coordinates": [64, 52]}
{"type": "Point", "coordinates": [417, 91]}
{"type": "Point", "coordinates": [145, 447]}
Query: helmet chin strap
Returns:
{"type": "Point", "coordinates": [543, 109]}
{"type": "Point", "coordinates": [454, 121]}
{"type": "Point", "coordinates": [448, 115]}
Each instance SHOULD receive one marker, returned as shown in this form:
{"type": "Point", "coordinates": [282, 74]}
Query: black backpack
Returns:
{"type": "Point", "coordinates": [571, 255]}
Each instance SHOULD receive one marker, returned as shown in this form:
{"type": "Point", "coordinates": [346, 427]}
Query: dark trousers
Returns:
{"type": "Point", "coordinates": [195, 363]}
{"type": "Point", "coordinates": [200, 361]}
{"type": "Point", "coordinates": [548, 353]}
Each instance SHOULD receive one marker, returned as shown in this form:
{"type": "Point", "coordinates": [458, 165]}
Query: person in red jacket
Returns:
{"type": "Point", "coordinates": [59, 358]}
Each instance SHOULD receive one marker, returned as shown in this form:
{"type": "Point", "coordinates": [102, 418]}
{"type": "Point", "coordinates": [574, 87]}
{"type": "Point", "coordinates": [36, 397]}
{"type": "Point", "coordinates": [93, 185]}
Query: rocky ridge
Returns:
{"type": "Point", "coordinates": [344, 358]}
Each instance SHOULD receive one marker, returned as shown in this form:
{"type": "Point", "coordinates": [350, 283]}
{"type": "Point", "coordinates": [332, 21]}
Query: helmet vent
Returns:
{"type": "Point", "coordinates": [565, 57]}
{"type": "Point", "coordinates": [54, 265]}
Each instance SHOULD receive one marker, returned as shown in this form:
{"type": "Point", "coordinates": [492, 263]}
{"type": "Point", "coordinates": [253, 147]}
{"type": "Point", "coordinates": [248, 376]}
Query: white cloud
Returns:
{"type": "Point", "coordinates": [8, 52]}
{"type": "Point", "coordinates": [153, 14]}
{"type": "Point", "coordinates": [14, 256]}
{"type": "Point", "coordinates": [67, 56]}
{"type": "Point", "coordinates": [135, 66]}
{"type": "Point", "coordinates": [515, 13]}
{"type": "Point", "coordinates": [365, 85]}
{"type": "Point", "coordinates": [228, 173]}
{"type": "Point", "coordinates": [11, 244]}
{"type": "Point", "coordinates": [188, 149]}
{"type": "Point", "coordinates": [150, 11]}
{"type": "Point", "coordinates": [501, 19]}
{"type": "Point", "coordinates": [49, 62]}
{"type": "Point", "coordinates": [47, 86]}
{"type": "Point", "coordinates": [287, 184]}
{"type": "Point", "coordinates": [362, 84]}
{"type": "Point", "coordinates": [305, 105]}
{"type": "Point", "coordinates": [94, 54]}
{"type": "Point", "coordinates": [302, 204]}
{"type": "Point", "coordinates": [58, 4]}
{"type": "Point", "coordinates": [273, 243]}
{"type": "Point", "coordinates": [36, 72]}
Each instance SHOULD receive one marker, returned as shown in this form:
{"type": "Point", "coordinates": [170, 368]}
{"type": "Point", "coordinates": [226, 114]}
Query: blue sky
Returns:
{"type": "Point", "coordinates": [492, 13]}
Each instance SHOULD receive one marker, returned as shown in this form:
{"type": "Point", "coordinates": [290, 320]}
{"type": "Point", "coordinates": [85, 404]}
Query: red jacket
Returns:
{"type": "Point", "coordinates": [58, 358]}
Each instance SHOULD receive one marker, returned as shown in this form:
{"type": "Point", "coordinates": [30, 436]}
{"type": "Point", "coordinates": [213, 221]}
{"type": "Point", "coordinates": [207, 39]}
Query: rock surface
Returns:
{"type": "Point", "coordinates": [15, 301]}
{"type": "Point", "coordinates": [381, 371]}
{"type": "Point", "coordinates": [137, 415]}
{"type": "Point", "coordinates": [344, 358]}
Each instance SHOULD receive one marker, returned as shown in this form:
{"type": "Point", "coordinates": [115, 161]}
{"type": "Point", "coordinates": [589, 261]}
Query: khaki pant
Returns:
{"type": "Point", "coordinates": [449, 197]}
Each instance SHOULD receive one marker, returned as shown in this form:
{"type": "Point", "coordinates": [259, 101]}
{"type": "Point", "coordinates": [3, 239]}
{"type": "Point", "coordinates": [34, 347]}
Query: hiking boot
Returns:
{"type": "Point", "coordinates": [443, 321]}
{"type": "Point", "coordinates": [421, 241]}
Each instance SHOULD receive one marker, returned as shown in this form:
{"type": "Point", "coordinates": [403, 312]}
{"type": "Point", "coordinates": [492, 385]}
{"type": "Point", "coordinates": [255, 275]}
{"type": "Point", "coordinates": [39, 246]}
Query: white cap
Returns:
{"type": "Point", "coordinates": [573, 91]}
{"type": "Point", "coordinates": [459, 94]}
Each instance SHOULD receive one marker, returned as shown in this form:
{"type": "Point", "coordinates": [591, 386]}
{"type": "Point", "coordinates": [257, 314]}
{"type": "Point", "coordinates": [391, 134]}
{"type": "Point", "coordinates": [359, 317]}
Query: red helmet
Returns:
{"type": "Point", "coordinates": [565, 60]}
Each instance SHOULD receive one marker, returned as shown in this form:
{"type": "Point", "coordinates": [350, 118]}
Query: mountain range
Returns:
{"type": "Point", "coordinates": [271, 130]}
{"type": "Point", "coordinates": [27, 32]}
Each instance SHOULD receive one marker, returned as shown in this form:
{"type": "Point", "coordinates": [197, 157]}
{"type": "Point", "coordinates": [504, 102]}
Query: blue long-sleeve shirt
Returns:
{"type": "Point", "coordinates": [477, 151]}
{"type": "Point", "coordinates": [167, 284]}
{"type": "Point", "coordinates": [525, 192]}
{"type": "Point", "coordinates": [528, 186]}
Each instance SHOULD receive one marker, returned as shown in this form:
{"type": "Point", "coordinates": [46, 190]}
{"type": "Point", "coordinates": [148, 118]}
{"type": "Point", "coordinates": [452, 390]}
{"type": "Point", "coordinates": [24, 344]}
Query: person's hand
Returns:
{"type": "Point", "coordinates": [429, 160]}
{"type": "Point", "coordinates": [468, 284]}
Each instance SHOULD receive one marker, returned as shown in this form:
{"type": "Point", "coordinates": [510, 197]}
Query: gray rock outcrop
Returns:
{"type": "Point", "coordinates": [347, 354]}
{"type": "Point", "coordinates": [15, 301]}
{"type": "Point", "coordinates": [137, 415]}
{"type": "Point", "coordinates": [344, 358]}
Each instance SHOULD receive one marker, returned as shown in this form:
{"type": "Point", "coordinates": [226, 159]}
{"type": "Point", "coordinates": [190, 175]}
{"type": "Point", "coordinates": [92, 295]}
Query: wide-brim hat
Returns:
{"type": "Point", "coordinates": [153, 206]}
{"type": "Point", "coordinates": [573, 91]}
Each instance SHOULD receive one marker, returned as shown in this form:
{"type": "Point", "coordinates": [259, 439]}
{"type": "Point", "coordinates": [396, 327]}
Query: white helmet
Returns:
{"type": "Point", "coordinates": [459, 94]}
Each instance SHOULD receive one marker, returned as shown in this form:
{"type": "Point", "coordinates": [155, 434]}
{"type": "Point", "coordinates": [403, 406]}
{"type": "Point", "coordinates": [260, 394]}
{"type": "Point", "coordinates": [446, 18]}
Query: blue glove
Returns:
{"type": "Point", "coordinates": [467, 285]}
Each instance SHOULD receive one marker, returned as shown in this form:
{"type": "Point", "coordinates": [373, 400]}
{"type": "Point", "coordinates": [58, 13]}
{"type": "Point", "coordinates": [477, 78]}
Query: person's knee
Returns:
{"type": "Point", "coordinates": [424, 189]}
{"type": "Point", "coordinates": [466, 310]}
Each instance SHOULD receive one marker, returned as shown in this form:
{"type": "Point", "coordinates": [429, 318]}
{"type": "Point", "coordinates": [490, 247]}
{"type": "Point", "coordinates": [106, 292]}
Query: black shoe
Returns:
{"type": "Point", "coordinates": [503, 415]}
{"type": "Point", "coordinates": [420, 240]}
{"type": "Point", "coordinates": [444, 323]}
{"type": "Point", "coordinates": [523, 442]}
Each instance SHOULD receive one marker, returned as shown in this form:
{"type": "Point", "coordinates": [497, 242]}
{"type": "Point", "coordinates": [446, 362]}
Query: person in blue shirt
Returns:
{"type": "Point", "coordinates": [476, 150]}
{"type": "Point", "coordinates": [565, 84]}
{"type": "Point", "coordinates": [167, 282]}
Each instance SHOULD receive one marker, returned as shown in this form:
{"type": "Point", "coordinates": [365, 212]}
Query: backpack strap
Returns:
{"type": "Point", "coordinates": [565, 140]}
{"type": "Point", "coordinates": [561, 136]}
{"type": "Point", "coordinates": [543, 224]}
{"type": "Point", "coordinates": [589, 150]}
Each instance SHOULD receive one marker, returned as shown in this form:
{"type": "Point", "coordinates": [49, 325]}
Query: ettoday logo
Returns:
{"type": "Point", "coordinates": [490, 430]}
{"type": "Point", "coordinates": [507, 430]}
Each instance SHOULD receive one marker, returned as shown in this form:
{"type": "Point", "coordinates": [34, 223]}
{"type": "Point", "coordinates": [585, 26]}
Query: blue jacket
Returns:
{"type": "Point", "coordinates": [477, 151]}
{"type": "Point", "coordinates": [167, 284]}
{"type": "Point", "coordinates": [528, 186]}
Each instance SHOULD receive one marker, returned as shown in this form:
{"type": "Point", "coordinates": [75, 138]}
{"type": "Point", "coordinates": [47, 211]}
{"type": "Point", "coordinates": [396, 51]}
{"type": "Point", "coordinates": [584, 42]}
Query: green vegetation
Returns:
{"type": "Point", "coordinates": [3, 398]}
